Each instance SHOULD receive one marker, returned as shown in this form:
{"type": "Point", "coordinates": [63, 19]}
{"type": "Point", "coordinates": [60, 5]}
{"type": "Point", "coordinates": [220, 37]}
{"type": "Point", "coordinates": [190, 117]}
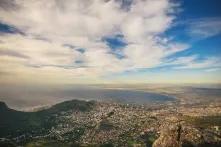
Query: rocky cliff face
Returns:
{"type": "Point", "coordinates": [169, 137]}
{"type": "Point", "coordinates": [181, 135]}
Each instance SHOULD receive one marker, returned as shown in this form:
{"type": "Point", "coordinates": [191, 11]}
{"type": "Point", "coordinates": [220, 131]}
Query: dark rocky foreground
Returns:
{"type": "Point", "coordinates": [81, 123]}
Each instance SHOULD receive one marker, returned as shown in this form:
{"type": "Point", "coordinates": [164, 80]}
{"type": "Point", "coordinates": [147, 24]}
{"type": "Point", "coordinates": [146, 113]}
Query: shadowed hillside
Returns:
{"type": "Point", "coordinates": [14, 123]}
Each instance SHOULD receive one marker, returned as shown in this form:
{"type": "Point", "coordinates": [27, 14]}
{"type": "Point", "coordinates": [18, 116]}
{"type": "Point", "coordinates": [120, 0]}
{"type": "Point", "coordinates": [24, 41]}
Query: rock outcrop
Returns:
{"type": "Point", "coordinates": [169, 137]}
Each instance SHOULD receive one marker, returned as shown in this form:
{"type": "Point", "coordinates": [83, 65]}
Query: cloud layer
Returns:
{"type": "Point", "coordinates": [66, 38]}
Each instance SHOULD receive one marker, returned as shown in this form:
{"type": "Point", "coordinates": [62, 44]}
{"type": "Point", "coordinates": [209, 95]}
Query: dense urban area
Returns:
{"type": "Point", "coordinates": [93, 123]}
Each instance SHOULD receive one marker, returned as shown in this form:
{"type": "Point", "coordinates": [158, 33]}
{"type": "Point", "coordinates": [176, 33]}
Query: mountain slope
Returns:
{"type": "Point", "coordinates": [15, 123]}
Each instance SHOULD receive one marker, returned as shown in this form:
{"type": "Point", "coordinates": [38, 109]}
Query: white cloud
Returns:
{"type": "Point", "coordinates": [213, 69]}
{"type": "Point", "coordinates": [194, 62]}
{"type": "Point", "coordinates": [83, 24]}
{"type": "Point", "coordinates": [204, 28]}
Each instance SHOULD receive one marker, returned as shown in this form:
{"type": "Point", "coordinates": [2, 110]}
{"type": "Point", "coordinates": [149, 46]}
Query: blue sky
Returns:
{"type": "Point", "coordinates": [191, 12]}
{"type": "Point", "coordinates": [154, 41]}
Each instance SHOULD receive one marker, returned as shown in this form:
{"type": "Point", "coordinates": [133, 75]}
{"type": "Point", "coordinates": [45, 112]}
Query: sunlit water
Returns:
{"type": "Point", "coordinates": [26, 97]}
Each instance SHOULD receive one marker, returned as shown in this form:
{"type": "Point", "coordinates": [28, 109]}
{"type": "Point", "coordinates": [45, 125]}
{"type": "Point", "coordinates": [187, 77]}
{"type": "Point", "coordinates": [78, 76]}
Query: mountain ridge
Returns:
{"type": "Point", "coordinates": [26, 121]}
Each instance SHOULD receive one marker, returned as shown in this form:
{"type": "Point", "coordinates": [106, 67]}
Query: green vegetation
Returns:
{"type": "Point", "coordinates": [149, 138]}
{"type": "Point", "coordinates": [56, 143]}
{"type": "Point", "coordinates": [107, 145]}
{"type": "Point", "coordinates": [15, 123]}
{"type": "Point", "coordinates": [47, 143]}
{"type": "Point", "coordinates": [132, 143]}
